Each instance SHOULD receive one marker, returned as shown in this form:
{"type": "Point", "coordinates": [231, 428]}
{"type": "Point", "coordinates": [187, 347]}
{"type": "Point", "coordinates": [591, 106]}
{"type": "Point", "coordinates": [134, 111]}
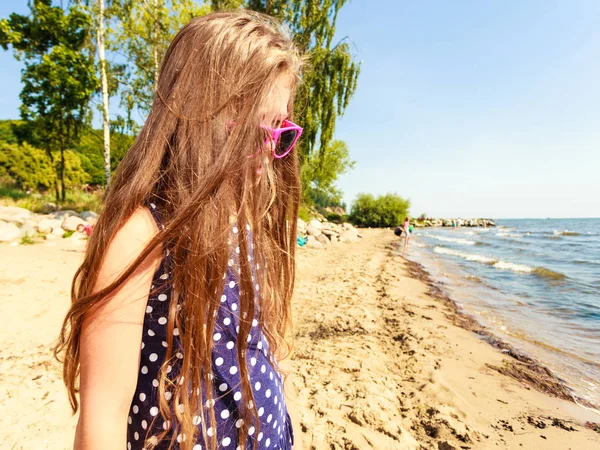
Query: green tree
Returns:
{"type": "Point", "coordinates": [146, 30]}
{"type": "Point", "coordinates": [58, 78]}
{"type": "Point", "coordinates": [387, 210]}
{"type": "Point", "coordinates": [320, 173]}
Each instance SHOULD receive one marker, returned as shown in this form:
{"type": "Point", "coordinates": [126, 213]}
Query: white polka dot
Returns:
{"type": "Point", "coordinates": [261, 411]}
{"type": "Point", "coordinates": [257, 386]}
{"type": "Point", "coordinates": [144, 424]}
{"type": "Point", "coordinates": [153, 357]}
{"type": "Point", "coordinates": [263, 369]}
{"type": "Point", "coordinates": [153, 440]}
{"type": "Point", "coordinates": [256, 286]}
{"type": "Point", "coordinates": [270, 375]}
{"type": "Point", "coordinates": [162, 320]}
{"type": "Point", "coordinates": [197, 447]}
{"type": "Point", "coordinates": [230, 262]}
{"type": "Point", "coordinates": [223, 387]}
{"type": "Point", "coordinates": [168, 395]}
{"type": "Point", "coordinates": [143, 345]}
{"type": "Point", "coordinates": [175, 331]}
{"type": "Point", "coordinates": [217, 336]}
{"type": "Point", "coordinates": [268, 393]}
{"type": "Point", "coordinates": [164, 276]}
{"type": "Point", "coordinates": [155, 383]}
{"type": "Point", "coordinates": [135, 409]}
{"type": "Point", "coordinates": [129, 420]}
{"type": "Point", "coordinates": [179, 355]}
{"type": "Point", "coordinates": [151, 333]}
{"type": "Point", "coordinates": [223, 298]}
{"type": "Point", "coordinates": [142, 397]}
{"type": "Point", "coordinates": [224, 414]}
{"type": "Point", "coordinates": [181, 438]}
{"type": "Point", "coordinates": [136, 436]}
{"type": "Point", "coordinates": [237, 250]}
{"type": "Point", "coordinates": [144, 370]}
{"type": "Point", "coordinates": [233, 370]}
{"type": "Point", "coordinates": [254, 322]}
{"type": "Point", "coordinates": [251, 431]}
{"type": "Point", "coordinates": [260, 436]}
{"type": "Point", "coordinates": [275, 400]}
{"type": "Point", "coordinates": [169, 368]}
{"type": "Point", "coordinates": [165, 344]}
{"type": "Point", "coordinates": [226, 442]}
{"type": "Point", "coordinates": [274, 424]}
{"type": "Point", "coordinates": [234, 306]}
{"type": "Point", "coordinates": [129, 446]}
{"type": "Point", "coordinates": [148, 309]}
{"type": "Point", "coordinates": [181, 408]}
{"type": "Point", "coordinates": [235, 229]}
{"type": "Point", "coordinates": [253, 361]}
{"type": "Point", "coordinates": [269, 418]}
{"type": "Point", "coordinates": [238, 423]}
{"type": "Point", "coordinates": [153, 411]}
{"type": "Point", "coordinates": [196, 420]}
{"type": "Point", "coordinates": [268, 442]}
{"type": "Point", "coordinates": [237, 396]}
{"type": "Point", "coordinates": [232, 284]}
{"type": "Point", "coordinates": [209, 431]}
{"type": "Point", "coordinates": [259, 345]}
{"type": "Point", "coordinates": [219, 361]}
{"type": "Point", "coordinates": [249, 337]}
{"type": "Point", "coordinates": [162, 297]}
{"type": "Point", "coordinates": [230, 345]}
{"type": "Point", "coordinates": [248, 227]}
{"type": "Point", "coordinates": [226, 321]}
{"type": "Point", "coordinates": [152, 205]}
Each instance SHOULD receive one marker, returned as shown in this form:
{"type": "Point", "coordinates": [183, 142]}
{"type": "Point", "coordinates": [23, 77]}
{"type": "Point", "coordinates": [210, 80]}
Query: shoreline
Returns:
{"type": "Point", "coordinates": [524, 369]}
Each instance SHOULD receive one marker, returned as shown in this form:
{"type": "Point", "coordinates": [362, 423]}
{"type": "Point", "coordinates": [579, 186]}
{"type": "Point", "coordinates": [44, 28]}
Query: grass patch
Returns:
{"type": "Point", "coordinates": [76, 200]}
{"type": "Point", "coordinates": [27, 240]}
{"type": "Point", "coordinates": [68, 234]}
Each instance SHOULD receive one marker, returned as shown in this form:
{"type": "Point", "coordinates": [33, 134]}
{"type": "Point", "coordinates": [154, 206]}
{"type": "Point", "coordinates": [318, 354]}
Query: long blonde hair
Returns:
{"type": "Point", "coordinates": [218, 71]}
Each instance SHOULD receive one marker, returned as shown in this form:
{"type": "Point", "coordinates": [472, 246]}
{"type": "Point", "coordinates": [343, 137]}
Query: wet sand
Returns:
{"type": "Point", "coordinates": [383, 362]}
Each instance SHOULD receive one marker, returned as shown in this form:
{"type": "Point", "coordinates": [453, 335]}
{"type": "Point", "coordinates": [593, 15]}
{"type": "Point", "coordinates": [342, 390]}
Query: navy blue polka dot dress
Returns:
{"type": "Point", "coordinates": [144, 419]}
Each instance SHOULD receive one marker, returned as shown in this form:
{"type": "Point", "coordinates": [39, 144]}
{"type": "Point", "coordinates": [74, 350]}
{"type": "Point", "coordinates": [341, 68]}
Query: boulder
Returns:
{"type": "Point", "coordinates": [29, 228]}
{"type": "Point", "coordinates": [58, 232]}
{"type": "Point", "coordinates": [313, 231]}
{"type": "Point", "coordinates": [323, 240]}
{"type": "Point", "coordinates": [313, 243]}
{"type": "Point", "coordinates": [301, 226]}
{"type": "Point", "coordinates": [48, 208]}
{"type": "Point", "coordinates": [70, 223]}
{"type": "Point", "coordinates": [52, 237]}
{"type": "Point", "coordinates": [64, 214]}
{"type": "Point", "coordinates": [316, 224]}
{"type": "Point", "coordinates": [14, 214]}
{"type": "Point", "coordinates": [9, 232]}
{"type": "Point", "coordinates": [46, 225]}
{"type": "Point", "coordinates": [89, 216]}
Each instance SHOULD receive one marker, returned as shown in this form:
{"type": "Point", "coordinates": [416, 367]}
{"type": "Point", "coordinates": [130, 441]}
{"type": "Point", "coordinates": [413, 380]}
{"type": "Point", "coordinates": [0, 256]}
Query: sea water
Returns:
{"type": "Point", "coordinates": [532, 282]}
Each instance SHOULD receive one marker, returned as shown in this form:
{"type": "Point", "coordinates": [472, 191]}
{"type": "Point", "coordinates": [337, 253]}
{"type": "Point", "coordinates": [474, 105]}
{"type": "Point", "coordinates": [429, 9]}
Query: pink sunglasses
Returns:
{"type": "Point", "coordinates": [283, 138]}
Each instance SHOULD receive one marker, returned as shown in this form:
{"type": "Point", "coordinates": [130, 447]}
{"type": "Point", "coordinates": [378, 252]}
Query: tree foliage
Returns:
{"type": "Point", "coordinates": [29, 168]}
{"type": "Point", "coordinates": [387, 210]}
{"type": "Point", "coordinates": [58, 78]}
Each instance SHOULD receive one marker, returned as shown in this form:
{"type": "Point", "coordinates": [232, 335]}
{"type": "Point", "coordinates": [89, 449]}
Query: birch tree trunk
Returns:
{"type": "Point", "coordinates": [105, 116]}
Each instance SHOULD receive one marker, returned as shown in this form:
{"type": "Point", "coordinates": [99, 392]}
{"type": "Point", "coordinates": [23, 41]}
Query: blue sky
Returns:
{"type": "Point", "coordinates": [467, 108]}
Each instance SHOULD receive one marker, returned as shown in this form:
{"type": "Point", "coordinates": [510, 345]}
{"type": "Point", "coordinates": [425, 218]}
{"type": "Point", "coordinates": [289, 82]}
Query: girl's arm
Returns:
{"type": "Point", "coordinates": [111, 338]}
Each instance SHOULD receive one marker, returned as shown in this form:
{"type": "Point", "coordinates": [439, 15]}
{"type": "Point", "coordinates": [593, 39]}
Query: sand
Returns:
{"type": "Point", "coordinates": [381, 363]}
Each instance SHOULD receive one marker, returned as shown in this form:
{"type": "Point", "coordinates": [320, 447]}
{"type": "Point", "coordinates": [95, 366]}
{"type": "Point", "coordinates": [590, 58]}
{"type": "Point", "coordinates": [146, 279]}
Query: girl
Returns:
{"type": "Point", "coordinates": [182, 304]}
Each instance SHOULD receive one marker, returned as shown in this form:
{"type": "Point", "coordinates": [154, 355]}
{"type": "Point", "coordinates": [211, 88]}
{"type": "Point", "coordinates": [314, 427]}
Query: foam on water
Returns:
{"type": "Point", "coordinates": [450, 239]}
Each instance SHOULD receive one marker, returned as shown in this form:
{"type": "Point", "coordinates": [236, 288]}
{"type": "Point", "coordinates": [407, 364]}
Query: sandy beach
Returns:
{"type": "Point", "coordinates": [381, 362]}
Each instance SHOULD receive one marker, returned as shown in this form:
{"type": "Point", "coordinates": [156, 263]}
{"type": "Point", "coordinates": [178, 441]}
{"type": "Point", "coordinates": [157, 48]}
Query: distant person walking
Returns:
{"type": "Point", "coordinates": [406, 230]}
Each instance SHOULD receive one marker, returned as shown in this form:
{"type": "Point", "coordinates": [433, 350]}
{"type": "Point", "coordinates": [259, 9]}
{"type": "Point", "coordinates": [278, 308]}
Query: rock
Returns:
{"type": "Point", "coordinates": [323, 240]}
{"type": "Point", "coordinates": [313, 231]}
{"type": "Point", "coordinates": [330, 233]}
{"type": "Point", "coordinates": [316, 224]}
{"type": "Point", "coordinates": [313, 243]}
{"type": "Point", "coordinates": [8, 232]}
{"type": "Point", "coordinates": [49, 208]}
{"type": "Point", "coordinates": [14, 214]}
{"type": "Point", "coordinates": [58, 232]}
{"type": "Point", "coordinates": [64, 214]}
{"type": "Point", "coordinates": [28, 229]}
{"type": "Point", "coordinates": [70, 223]}
{"type": "Point", "coordinates": [52, 237]}
{"type": "Point", "coordinates": [46, 225]}
{"type": "Point", "coordinates": [89, 216]}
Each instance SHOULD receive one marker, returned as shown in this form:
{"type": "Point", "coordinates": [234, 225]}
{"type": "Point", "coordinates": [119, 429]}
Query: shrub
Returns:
{"type": "Point", "coordinates": [387, 210]}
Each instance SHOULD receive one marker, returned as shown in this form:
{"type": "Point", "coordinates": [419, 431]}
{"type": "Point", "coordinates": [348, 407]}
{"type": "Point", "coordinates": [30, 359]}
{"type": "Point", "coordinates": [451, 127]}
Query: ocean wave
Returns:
{"type": "Point", "coordinates": [503, 234]}
{"type": "Point", "coordinates": [450, 239]}
{"type": "Point", "coordinates": [566, 233]}
{"type": "Point", "coordinates": [541, 272]}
